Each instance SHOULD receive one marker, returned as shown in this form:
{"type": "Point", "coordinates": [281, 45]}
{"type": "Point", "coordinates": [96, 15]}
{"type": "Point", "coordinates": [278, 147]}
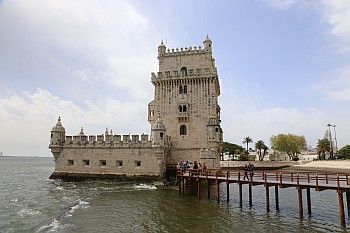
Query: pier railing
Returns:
{"type": "Point", "coordinates": [278, 179]}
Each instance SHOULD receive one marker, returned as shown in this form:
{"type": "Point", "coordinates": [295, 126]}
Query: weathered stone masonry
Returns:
{"type": "Point", "coordinates": [184, 118]}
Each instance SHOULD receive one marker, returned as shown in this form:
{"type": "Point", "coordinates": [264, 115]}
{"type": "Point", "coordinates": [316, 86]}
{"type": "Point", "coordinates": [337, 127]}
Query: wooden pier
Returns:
{"type": "Point", "coordinates": [192, 179]}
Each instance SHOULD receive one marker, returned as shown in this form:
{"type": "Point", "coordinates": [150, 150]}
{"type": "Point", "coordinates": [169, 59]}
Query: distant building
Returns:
{"type": "Point", "coordinates": [184, 118]}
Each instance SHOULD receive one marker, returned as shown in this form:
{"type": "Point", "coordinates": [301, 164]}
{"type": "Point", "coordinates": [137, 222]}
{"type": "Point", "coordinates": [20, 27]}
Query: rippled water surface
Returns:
{"type": "Point", "coordinates": [30, 202]}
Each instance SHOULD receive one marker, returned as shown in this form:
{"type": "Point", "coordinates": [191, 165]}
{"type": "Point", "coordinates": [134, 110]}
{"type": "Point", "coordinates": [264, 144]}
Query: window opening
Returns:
{"type": "Point", "coordinates": [183, 130]}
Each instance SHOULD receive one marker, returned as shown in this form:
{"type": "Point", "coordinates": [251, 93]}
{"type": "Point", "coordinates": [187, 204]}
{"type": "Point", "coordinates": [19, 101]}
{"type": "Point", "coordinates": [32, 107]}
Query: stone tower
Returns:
{"type": "Point", "coordinates": [186, 101]}
{"type": "Point", "coordinates": [57, 139]}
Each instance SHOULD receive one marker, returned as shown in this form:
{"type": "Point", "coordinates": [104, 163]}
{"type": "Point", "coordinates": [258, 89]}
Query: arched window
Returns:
{"type": "Point", "coordinates": [183, 130]}
{"type": "Point", "coordinates": [183, 71]}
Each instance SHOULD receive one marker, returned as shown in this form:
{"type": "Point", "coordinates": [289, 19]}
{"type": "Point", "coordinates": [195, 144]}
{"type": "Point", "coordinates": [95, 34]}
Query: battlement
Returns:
{"type": "Point", "coordinates": [185, 51]}
{"type": "Point", "coordinates": [190, 73]}
{"type": "Point", "coordinates": [108, 140]}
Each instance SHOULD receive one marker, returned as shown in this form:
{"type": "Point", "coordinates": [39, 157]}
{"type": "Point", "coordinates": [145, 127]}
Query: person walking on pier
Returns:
{"type": "Point", "coordinates": [250, 169]}
{"type": "Point", "coordinates": [245, 172]}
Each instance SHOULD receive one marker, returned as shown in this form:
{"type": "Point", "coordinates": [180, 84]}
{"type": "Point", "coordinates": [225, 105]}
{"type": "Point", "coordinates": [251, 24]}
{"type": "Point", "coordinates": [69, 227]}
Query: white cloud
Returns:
{"type": "Point", "coordinates": [337, 14]}
{"type": "Point", "coordinates": [83, 39]}
{"type": "Point", "coordinates": [26, 120]}
{"type": "Point", "coordinates": [262, 124]}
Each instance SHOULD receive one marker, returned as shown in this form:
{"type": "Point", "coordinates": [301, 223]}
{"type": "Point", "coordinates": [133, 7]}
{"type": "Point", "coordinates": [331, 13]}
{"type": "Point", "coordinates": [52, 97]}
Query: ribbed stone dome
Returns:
{"type": "Point", "coordinates": [58, 127]}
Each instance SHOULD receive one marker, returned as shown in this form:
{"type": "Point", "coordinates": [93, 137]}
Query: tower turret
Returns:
{"type": "Point", "coordinates": [158, 133]}
{"type": "Point", "coordinates": [161, 50]}
{"type": "Point", "coordinates": [207, 44]}
{"type": "Point", "coordinates": [58, 137]}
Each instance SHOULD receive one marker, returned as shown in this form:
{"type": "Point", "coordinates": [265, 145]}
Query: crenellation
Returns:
{"type": "Point", "coordinates": [126, 138]}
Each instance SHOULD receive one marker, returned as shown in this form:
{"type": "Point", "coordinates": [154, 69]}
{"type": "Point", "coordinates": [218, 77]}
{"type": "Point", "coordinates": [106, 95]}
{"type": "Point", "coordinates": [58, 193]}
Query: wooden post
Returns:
{"type": "Point", "coordinates": [341, 208]}
{"type": "Point", "coordinates": [217, 188]}
{"type": "Point", "coordinates": [240, 195]}
{"type": "Point", "coordinates": [227, 187]}
{"type": "Point", "coordinates": [183, 186]}
{"type": "Point", "coordinates": [277, 198]}
{"type": "Point", "coordinates": [308, 196]}
{"type": "Point", "coordinates": [228, 191]}
{"type": "Point", "coordinates": [199, 187]}
{"type": "Point", "coordinates": [250, 195]}
{"type": "Point", "coordinates": [267, 188]}
{"type": "Point", "coordinates": [300, 198]}
{"type": "Point", "coordinates": [348, 203]}
{"type": "Point", "coordinates": [208, 183]}
{"type": "Point", "coordinates": [217, 191]}
{"type": "Point", "coordinates": [179, 180]}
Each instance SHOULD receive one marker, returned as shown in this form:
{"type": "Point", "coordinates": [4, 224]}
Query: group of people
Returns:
{"type": "Point", "coordinates": [192, 166]}
{"type": "Point", "coordinates": [248, 169]}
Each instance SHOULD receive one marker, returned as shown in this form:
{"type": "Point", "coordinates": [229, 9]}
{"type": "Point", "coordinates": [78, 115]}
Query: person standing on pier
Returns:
{"type": "Point", "coordinates": [245, 172]}
{"type": "Point", "coordinates": [250, 169]}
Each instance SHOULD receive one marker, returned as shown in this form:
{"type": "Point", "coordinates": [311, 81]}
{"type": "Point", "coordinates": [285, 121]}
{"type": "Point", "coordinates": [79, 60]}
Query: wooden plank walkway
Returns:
{"type": "Point", "coordinates": [285, 179]}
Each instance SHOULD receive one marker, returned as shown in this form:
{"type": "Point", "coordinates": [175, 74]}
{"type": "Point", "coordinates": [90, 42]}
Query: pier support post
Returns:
{"type": "Point", "coordinates": [277, 198]}
{"type": "Point", "coordinates": [208, 183]}
{"type": "Point", "coordinates": [250, 195]}
{"type": "Point", "coordinates": [228, 191]}
{"type": "Point", "coordinates": [180, 183]}
{"type": "Point", "coordinates": [240, 195]}
{"type": "Point", "coordinates": [341, 208]}
{"type": "Point", "coordinates": [199, 187]}
{"type": "Point", "coordinates": [217, 191]}
{"type": "Point", "coordinates": [267, 188]}
{"type": "Point", "coordinates": [183, 186]}
{"type": "Point", "coordinates": [300, 198]}
{"type": "Point", "coordinates": [348, 203]}
{"type": "Point", "coordinates": [308, 196]}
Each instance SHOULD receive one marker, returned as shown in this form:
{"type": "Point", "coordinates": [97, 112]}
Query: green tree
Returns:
{"type": "Point", "coordinates": [231, 148]}
{"type": "Point", "coordinates": [344, 152]}
{"type": "Point", "coordinates": [247, 140]}
{"type": "Point", "coordinates": [244, 156]}
{"type": "Point", "coordinates": [259, 146]}
{"type": "Point", "coordinates": [291, 144]}
{"type": "Point", "coordinates": [323, 147]}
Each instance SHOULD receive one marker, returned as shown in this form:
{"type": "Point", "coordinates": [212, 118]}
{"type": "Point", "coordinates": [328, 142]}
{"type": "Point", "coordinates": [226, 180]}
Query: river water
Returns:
{"type": "Point", "coordinates": [30, 202]}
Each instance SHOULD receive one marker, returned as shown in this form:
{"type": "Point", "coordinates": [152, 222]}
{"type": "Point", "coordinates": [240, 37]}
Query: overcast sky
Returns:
{"type": "Point", "coordinates": [284, 66]}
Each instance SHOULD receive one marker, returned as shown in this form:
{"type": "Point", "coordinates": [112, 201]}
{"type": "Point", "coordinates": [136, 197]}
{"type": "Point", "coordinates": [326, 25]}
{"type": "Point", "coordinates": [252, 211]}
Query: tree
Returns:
{"type": "Point", "coordinates": [344, 152]}
{"type": "Point", "coordinates": [259, 146]}
{"type": "Point", "coordinates": [323, 147]}
{"type": "Point", "coordinates": [244, 156]}
{"type": "Point", "coordinates": [247, 140]}
{"type": "Point", "coordinates": [231, 148]}
{"type": "Point", "coordinates": [291, 144]}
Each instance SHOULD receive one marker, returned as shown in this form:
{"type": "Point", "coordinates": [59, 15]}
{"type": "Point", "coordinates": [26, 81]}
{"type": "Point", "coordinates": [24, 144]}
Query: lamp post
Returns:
{"type": "Point", "coordinates": [335, 139]}
{"type": "Point", "coordinates": [330, 141]}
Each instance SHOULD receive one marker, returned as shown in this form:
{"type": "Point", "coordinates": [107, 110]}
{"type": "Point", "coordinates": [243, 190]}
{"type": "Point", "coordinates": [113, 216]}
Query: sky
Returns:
{"type": "Point", "coordinates": [284, 66]}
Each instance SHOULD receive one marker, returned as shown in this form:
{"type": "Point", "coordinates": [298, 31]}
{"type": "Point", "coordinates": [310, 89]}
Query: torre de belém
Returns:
{"type": "Point", "coordinates": [184, 118]}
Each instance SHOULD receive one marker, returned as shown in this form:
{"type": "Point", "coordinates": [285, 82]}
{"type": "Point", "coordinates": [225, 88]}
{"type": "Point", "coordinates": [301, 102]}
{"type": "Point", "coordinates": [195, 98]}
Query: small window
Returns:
{"type": "Point", "coordinates": [119, 163]}
{"type": "Point", "coordinates": [180, 90]}
{"type": "Point", "coordinates": [176, 73]}
{"type": "Point", "coordinates": [51, 135]}
{"type": "Point", "coordinates": [161, 135]}
{"type": "Point", "coordinates": [185, 89]}
{"type": "Point", "coordinates": [183, 130]}
{"type": "Point", "coordinates": [86, 162]}
{"type": "Point", "coordinates": [103, 162]}
{"type": "Point", "coordinates": [167, 73]}
{"type": "Point", "coordinates": [137, 163]}
{"type": "Point", "coordinates": [182, 108]}
{"type": "Point", "coordinates": [70, 162]}
{"type": "Point", "coordinates": [217, 129]}
{"type": "Point", "coordinates": [183, 71]}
